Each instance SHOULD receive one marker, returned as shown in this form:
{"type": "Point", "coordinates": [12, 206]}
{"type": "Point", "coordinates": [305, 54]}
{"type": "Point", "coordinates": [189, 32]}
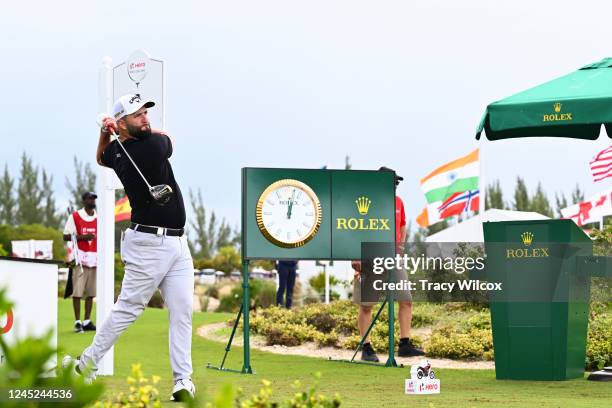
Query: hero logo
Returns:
{"type": "Point", "coordinates": [137, 65]}
{"type": "Point", "coordinates": [9, 322]}
{"type": "Point", "coordinates": [428, 386]}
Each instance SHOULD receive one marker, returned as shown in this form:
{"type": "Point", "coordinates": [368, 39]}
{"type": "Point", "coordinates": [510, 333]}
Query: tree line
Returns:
{"type": "Point", "coordinates": [29, 199]}
{"type": "Point", "coordinates": [538, 202]}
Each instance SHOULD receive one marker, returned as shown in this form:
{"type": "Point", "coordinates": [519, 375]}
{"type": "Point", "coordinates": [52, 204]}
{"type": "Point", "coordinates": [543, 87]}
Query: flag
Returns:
{"type": "Point", "coordinates": [123, 211]}
{"type": "Point", "coordinates": [460, 202]}
{"type": "Point", "coordinates": [457, 176]}
{"type": "Point", "coordinates": [601, 165]}
{"type": "Point", "coordinates": [453, 177]}
{"type": "Point", "coordinates": [591, 210]}
{"type": "Point", "coordinates": [423, 218]}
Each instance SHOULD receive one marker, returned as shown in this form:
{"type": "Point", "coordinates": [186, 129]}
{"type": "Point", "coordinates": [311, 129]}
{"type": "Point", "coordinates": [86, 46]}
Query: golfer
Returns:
{"type": "Point", "coordinates": [154, 248]}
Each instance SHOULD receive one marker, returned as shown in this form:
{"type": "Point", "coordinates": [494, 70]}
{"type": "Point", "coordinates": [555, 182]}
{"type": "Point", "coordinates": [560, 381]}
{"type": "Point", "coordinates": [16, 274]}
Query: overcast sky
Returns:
{"type": "Point", "coordinates": [301, 84]}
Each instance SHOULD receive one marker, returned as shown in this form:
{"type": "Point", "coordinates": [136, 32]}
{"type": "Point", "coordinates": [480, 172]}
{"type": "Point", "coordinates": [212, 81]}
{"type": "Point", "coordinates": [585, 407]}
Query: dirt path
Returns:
{"type": "Point", "coordinates": [312, 350]}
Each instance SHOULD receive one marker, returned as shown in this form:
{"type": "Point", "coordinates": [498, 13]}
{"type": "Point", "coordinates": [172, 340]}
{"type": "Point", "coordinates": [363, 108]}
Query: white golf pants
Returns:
{"type": "Point", "coordinates": [151, 262]}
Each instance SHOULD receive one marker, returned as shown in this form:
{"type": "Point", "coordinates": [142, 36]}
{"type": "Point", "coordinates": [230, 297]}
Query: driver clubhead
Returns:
{"type": "Point", "coordinates": [161, 193]}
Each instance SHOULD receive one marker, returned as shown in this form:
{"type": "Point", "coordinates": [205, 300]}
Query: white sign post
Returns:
{"type": "Point", "coordinates": [145, 76]}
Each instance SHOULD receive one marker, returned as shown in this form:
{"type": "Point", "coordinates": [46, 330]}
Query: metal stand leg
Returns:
{"type": "Point", "coordinates": [391, 360]}
{"type": "Point", "coordinates": [229, 345]}
{"type": "Point", "coordinates": [244, 310]}
{"type": "Point", "coordinates": [365, 336]}
{"type": "Point", "coordinates": [246, 364]}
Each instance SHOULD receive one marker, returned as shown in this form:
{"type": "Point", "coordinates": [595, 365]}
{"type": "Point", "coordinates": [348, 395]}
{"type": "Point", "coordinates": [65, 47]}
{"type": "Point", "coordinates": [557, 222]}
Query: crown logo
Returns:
{"type": "Point", "coordinates": [557, 107]}
{"type": "Point", "coordinates": [363, 205]}
{"type": "Point", "coordinates": [527, 238]}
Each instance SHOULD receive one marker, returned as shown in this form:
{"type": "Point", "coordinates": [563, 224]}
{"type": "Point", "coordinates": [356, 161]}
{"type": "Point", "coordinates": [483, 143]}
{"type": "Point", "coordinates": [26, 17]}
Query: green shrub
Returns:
{"type": "Point", "coordinates": [339, 315]}
{"type": "Point", "coordinates": [481, 320]}
{"type": "Point", "coordinates": [421, 319]}
{"type": "Point", "coordinates": [229, 303]}
{"type": "Point", "coordinates": [334, 325]}
{"type": "Point", "coordinates": [119, 269]}
{"type": "Point", "coordinates": [266, 264]}
{"type": "Point", "coordinates": [204, 303]}
{"type": "Point", "coordinates": [262, 293]}
{"type": "Point", "coordinates": [156, 301]}
{"type": "Point", "coordinates": [451, 342]}
{"type": "Point", "coordinates": [599, 341]}
{"type": "Point", "coordinates": [322, 322]}
{"type": "Point", "coordinates": [467, 336]}
{"type": "Point", "coordinates": [278, 336]}
{"type": "Point", "coordinates": [326, 339]}
{"type": "Point", "coordinates": [212, 291]}
{"type": "Point", "coordinates": [203, 263]}
{"type": "Point", "coordinates": [61, 290]}
{"type": "Point", "coordinates": [452, 307]}
{"type": "Point", "coordinates": [227, 259]}
{"type": "Point", "coordinates": [350, 342]}
{"type": "Point", "coordinates": [601, 290]}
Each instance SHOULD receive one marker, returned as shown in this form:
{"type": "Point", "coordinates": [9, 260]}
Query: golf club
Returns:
{"type": "Point", "coordinates": [161, 193]}
{"type": "Point", "coordinates": [75, 244]}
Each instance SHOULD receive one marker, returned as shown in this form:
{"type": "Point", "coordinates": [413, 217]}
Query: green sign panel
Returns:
{"type": "Point", "coordinates": [315, 214]}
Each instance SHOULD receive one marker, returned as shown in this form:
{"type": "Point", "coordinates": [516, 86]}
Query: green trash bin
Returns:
{"type": "Point", "coordinates": [539, 320]}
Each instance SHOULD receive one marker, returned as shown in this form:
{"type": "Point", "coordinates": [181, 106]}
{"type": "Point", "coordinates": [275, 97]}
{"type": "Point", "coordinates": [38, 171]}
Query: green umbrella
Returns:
{"type": "Point", "coordinates": [574, 105]}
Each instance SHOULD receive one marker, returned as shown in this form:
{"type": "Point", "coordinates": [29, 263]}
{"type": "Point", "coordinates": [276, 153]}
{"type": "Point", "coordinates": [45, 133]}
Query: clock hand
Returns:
{"type": "Point", "coordinates": [290, 205]}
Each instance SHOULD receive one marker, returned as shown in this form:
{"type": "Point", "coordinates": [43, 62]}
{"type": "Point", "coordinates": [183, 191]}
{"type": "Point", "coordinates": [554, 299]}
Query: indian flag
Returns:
{"type": "Point", "coordinates": [456, 176]}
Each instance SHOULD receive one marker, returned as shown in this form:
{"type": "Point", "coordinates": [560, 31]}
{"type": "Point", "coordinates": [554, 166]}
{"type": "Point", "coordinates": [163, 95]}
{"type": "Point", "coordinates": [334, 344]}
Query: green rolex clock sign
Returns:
{"type": "Point", "coordinates": [315, 214]}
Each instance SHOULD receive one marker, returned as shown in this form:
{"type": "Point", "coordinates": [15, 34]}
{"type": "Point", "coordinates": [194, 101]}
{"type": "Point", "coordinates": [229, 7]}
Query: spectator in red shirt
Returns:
{"type": "Point", "coordinates": [406, 347]}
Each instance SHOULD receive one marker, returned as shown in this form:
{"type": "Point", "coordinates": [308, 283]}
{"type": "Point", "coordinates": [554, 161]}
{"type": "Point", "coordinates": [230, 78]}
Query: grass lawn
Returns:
{"type": "Point", "coordinates": [358, 385]}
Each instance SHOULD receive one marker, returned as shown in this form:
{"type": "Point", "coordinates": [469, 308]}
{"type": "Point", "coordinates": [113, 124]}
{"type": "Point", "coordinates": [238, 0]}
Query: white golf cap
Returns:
{"type": "Point", "coordinates": [128, 104]}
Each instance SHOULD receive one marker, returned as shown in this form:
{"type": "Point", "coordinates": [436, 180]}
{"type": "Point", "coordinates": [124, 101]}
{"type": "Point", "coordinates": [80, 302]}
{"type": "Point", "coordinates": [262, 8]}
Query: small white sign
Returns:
{"type": "Point", "coordinates": [35, 249]}
{"type": "Point", "coordinates": [421, 387]}
{"type": "Point", "coordinates": [145, 76]}
{"type": "Point", "coordinates": [137, 65]}
{"type": "Point", "coordinates": [422, 379]}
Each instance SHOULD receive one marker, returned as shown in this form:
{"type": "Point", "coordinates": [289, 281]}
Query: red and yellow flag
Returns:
{"type": "Point", "coordinates": [123, 211]}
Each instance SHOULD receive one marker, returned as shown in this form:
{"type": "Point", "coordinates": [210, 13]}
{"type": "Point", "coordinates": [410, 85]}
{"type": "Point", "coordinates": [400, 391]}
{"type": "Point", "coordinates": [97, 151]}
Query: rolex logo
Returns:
{"type": "Point", "coordinates": [363, 205]}
{"type": "Point", "coordinates": [361, 224]}
{"type": "Point", "coordinates": [557, 116]}
{"type": "Point", "coordinates": [527, 238]}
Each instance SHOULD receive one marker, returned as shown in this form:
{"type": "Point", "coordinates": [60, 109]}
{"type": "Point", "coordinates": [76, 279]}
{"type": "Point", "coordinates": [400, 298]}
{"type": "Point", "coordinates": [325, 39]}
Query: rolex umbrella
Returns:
{"type": "Point", "coordinates": [574, 105]}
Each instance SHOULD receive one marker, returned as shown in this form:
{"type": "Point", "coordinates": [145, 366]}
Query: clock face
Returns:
{"type": "Point", "coordinates": [288, 213]}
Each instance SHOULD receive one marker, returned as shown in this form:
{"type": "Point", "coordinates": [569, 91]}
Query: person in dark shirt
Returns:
{"type": "Point", "coordinates": [154, 248]}
{"type": "Point", "coordinates": [286, 281]}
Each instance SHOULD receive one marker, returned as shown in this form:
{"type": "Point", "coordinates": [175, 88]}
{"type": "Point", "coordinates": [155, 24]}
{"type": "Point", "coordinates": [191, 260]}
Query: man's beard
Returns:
{"type": "Point", "coordinates": [138, 132]}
